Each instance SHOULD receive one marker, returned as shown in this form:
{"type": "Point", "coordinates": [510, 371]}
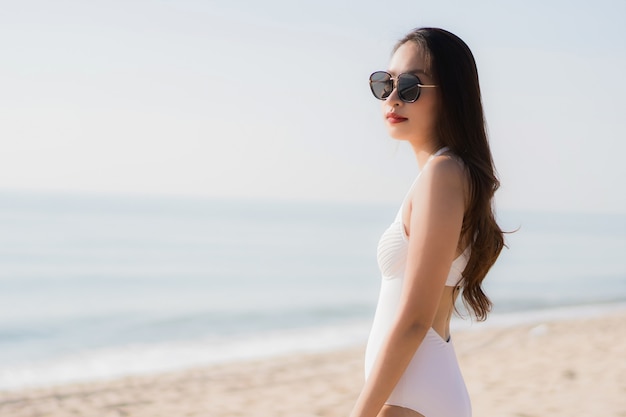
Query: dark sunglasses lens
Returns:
{"type": "Point", "coordinates": [408, 87]}
{"type": "Point", "coordinates": [381, 85]}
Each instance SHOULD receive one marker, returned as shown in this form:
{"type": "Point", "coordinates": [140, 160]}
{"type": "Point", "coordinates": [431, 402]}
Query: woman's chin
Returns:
{"type": "Point", "coordinates": [394, 134]}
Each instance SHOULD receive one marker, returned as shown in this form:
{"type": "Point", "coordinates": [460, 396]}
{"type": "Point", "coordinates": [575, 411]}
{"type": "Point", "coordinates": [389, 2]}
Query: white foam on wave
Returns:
{"type": "Point", "coordinates": [541, 315]}
{"type": "Point", "coordinates": [144, 359]}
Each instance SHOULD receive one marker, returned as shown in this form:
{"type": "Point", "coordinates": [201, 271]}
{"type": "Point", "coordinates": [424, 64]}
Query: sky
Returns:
{"type": "Point", "coordinates": [269, 100]}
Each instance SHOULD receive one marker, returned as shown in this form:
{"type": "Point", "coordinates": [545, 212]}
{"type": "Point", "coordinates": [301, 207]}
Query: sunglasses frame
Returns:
{"type": "Point", "coordinates": [394, 85]}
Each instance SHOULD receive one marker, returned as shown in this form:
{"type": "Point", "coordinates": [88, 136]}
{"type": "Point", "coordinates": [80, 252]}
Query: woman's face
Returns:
{"type": "Point", "coordinates": [413, 122]}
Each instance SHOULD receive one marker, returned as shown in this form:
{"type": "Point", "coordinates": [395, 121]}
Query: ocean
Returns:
{"type": "Point", "coordinates": [101, 286]}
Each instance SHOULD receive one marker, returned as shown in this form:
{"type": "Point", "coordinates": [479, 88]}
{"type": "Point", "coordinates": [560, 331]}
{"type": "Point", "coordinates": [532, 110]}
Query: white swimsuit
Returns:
{"type": "Point", "coordinates": [432, 383]}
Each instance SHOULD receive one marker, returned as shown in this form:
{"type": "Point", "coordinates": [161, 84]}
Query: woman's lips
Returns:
{"type": "Point", "coordinates": [395, 118]}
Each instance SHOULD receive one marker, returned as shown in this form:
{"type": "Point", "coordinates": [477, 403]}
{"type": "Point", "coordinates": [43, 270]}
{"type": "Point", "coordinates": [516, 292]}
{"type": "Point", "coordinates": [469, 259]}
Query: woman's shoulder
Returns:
{"type": "Point", "coordinates": [444, 176]}
{"type": "Point", "coordinates": [446, 169]}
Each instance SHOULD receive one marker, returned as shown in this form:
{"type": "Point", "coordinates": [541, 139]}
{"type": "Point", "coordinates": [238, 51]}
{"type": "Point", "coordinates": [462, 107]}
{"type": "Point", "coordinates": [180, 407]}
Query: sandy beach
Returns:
{"type": "Point", "coordinates": [553, 368]}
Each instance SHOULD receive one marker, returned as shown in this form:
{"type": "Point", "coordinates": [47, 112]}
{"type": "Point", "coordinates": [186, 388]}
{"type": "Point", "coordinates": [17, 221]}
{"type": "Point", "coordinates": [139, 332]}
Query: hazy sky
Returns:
{"type": "Point", "coordinates": [252, 99]}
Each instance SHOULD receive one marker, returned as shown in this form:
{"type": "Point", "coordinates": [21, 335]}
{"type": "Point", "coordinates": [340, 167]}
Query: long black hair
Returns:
{"type": "Point", "coordinates": [461, 127]}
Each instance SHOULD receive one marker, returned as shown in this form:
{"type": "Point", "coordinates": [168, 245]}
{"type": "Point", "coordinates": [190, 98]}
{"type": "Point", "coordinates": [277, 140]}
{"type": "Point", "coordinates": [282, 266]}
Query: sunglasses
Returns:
{"type": "Point", "coordinates": [409, 86]}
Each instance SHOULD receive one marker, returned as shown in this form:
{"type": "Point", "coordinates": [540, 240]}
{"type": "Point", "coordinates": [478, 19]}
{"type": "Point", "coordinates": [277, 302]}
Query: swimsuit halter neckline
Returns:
{"type": "Point", "coordinates": [437, 153]}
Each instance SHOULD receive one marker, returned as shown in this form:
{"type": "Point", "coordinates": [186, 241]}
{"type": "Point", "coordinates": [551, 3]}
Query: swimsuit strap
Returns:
{"type": "Point", "coordinates": [439, 152]}
{"type": "Point", "coordinates": [430, 158]}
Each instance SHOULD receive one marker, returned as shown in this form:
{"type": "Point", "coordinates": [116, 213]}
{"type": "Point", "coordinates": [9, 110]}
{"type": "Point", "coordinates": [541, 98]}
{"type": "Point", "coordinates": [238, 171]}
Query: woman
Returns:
{"type": "Point", "coordinates": [444, 238]}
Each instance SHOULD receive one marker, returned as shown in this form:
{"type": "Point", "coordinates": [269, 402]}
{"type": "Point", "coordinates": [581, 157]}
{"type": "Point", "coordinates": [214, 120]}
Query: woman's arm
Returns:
{"type": "Point", "coordinates": [438, 204]}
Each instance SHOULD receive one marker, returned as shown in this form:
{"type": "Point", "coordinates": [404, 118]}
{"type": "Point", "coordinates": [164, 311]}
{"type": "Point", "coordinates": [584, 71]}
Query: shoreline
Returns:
{"type": "Point", "coordinates": [557, 367]}
{"type": "Point", "coordinates": [107, 364]}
